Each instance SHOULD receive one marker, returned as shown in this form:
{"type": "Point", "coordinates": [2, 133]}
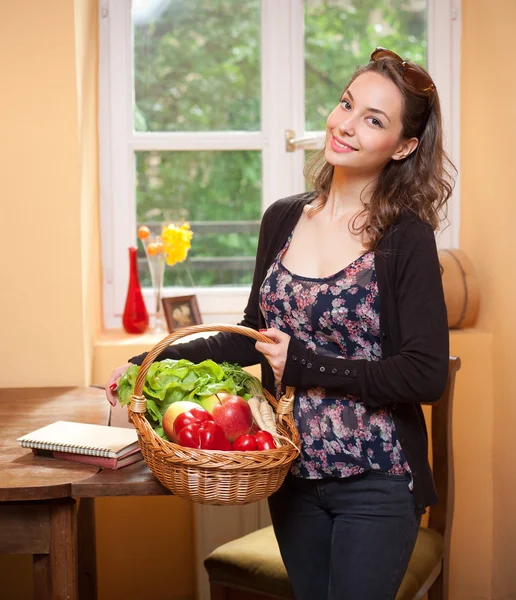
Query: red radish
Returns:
{"type": "Point", "coordinates": [245, 443]}
{"type": "Point", "coordinates": [264, 441]}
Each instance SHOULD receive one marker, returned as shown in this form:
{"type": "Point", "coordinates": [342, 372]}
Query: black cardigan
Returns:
{"type": "Point", "coordinates": [413, 324]}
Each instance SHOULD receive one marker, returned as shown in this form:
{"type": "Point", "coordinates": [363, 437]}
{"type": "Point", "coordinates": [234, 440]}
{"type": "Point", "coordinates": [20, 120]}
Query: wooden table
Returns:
{"type": "Point", "coordinates": [38, 507]}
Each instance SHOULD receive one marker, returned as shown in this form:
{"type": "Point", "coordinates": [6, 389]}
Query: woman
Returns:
{"type": "Point", "coordinates": [348, 284]}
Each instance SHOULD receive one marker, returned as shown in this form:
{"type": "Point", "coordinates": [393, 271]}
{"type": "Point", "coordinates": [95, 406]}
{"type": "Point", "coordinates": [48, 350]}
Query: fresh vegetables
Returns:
{"type": "Point", "coordinates": [261, 440]}
{"type": "Point", "coordinates": [254, 405]}
{"type": "Point", "coordinates": [194, 415]}
{"type": "Point", "coordinates": [173, 412]}
{"type": "Point", "coordinates": [205, 435]}
{"type": "Point", "coordinates": [245, 443]}
{"type": "Point", "coordinates": [169, 381]}
{"type": "Point", "coordinates": [264, 441]}
{"type": "Point", "coordinates": [207, 405]}
{"type": "Point", "coordinates": [268, 417]}
{"type": "Point", "coordinates": [195, 428]}
{"type": "Point", "coordinates": [263, 415]}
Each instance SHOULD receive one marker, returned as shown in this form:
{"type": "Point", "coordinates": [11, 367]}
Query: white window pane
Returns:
{"type": "Point", "coordinates": [219, 194]}
{"type": "Point", "coordinates": [341, 34]}
{"type": "Point", "coordinates": [196, 65]}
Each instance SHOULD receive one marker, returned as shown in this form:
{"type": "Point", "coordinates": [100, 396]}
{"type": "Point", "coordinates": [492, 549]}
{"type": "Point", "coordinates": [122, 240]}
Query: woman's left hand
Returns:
{"type": "Point", "coordinates": [276, 353]}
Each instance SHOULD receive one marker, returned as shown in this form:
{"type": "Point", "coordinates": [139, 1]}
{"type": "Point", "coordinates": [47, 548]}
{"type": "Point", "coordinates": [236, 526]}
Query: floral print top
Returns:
{"type": "Point", "coordinates": [337, 315]}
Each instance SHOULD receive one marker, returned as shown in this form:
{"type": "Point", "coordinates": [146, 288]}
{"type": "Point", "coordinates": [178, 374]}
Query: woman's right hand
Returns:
{"type": "Point", "coordinates": [112, 384]}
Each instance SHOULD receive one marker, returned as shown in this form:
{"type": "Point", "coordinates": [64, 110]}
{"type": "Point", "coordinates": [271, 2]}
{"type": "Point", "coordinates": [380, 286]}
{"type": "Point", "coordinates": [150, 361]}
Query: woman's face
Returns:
{"type": "Point", "coordinates": [363, 132]}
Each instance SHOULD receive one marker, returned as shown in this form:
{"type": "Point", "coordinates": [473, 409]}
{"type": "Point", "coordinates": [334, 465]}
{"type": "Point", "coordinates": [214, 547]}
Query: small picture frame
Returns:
{"type": "Point", "coordinates": [181, 311]}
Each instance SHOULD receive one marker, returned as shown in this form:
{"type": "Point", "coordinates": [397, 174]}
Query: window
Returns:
{"type": "Point", "coordinates": [196, 98]}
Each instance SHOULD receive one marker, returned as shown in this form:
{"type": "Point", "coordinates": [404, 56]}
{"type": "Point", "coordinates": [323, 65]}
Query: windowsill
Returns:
{"type": "Point", "coordinates": [118, 337]}
{"type": "Point", "coordinates": [216, 304]}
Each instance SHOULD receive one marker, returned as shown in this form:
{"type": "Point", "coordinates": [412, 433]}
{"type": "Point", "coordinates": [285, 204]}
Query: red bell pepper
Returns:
{"type": "Point", "coordinates": [194, 415]}
{"type": "Point", "coordinates": [189, 436]}
{"type": "Point", "coordinates": [205, 436]}
{"type": "Point", "coordinates": [212, 437]}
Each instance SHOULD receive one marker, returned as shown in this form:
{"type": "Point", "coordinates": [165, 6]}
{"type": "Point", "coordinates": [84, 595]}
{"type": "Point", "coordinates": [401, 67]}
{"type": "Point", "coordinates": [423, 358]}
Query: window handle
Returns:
{"type": "Point", "coordinates": [308, 142]}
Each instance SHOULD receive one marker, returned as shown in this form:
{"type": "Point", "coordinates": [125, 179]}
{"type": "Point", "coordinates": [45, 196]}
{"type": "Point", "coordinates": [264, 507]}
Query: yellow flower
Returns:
{"type": "Point", "coordinates": [177, 242]}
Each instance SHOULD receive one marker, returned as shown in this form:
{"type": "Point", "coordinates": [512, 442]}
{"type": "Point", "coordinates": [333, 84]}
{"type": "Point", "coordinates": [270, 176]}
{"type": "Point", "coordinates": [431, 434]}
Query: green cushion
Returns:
{"type": "Point", "coordinates": [427, 554]}
{"type": "Point", "coordinates": [253, 562]}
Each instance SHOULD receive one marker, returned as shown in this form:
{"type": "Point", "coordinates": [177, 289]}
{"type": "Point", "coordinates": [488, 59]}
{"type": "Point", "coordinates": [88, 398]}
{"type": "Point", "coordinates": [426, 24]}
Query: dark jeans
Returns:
{"type": "Point", "coordinates": [345, 539]}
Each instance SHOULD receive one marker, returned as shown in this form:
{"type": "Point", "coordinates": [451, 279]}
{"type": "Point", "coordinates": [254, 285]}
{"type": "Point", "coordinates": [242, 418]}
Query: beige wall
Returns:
{"type": "Point", "coordinates": [488, 123]}
{"type": "Point", "coordinates": [43, 306]}
{"type": "Point", "coordinates": [52, 305]}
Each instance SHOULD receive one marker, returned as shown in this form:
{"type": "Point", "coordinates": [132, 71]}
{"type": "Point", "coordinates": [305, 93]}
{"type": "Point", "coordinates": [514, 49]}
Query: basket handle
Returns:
{"type": "Point", "coordinates": [138, 401]}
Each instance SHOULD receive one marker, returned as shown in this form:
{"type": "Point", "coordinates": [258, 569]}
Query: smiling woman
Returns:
{"type": "Point", "coordinates": [337, 271]}
{"type": "Point", "coordinates": [207, 147]}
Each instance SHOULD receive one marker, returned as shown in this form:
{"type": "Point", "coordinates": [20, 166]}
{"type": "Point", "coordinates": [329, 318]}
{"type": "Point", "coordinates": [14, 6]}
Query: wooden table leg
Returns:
{"type": "Point", "coordinates": [55, 573]}
{"type": "Point", "coordinates": [86, 549]}
{"type": "Point", "coordinates": [41, 576]}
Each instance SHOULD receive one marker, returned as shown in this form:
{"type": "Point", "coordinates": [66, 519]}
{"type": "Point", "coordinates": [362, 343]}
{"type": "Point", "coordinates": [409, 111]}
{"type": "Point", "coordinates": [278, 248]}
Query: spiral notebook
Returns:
{"type": "Point", "coordinates": [82, 438]}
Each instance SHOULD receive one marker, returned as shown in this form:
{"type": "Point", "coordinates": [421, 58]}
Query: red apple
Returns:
{"type": "Point", "coordinates": [209, 402]}
{"type": "Point", "coordinates": [234, 416]}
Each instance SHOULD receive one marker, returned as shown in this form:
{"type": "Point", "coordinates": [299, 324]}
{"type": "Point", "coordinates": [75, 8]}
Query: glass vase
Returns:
{"type": "Point", "coordinates": [156, 258]}
{"type": "Point", "coordinates": [135, 318]}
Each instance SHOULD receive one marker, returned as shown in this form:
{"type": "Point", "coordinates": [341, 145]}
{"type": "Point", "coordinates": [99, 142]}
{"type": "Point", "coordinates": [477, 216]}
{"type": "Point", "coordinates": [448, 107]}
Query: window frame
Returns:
{"type": "Point", "coordinates": [281, 35]}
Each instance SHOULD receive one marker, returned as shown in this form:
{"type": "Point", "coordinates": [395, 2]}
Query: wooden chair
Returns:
{"type": "Point", "coordinates": [250, 568]}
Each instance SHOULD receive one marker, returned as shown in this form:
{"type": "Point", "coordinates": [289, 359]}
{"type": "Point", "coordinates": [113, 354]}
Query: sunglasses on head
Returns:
{"type": "Point", "coordinates": [413, 76]}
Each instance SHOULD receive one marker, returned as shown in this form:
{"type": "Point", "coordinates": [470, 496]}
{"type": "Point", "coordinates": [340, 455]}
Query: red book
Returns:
{"type": "Point", "coordinates": [100, 461]}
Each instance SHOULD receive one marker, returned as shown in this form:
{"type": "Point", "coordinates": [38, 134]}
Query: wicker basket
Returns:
{"type": "Point", "coordinates": [211, 476]}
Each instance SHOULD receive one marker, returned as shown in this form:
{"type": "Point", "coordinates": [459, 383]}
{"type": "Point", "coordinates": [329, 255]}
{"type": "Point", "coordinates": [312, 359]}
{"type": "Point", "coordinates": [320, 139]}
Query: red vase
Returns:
{"type": "Point", "coordinates": [136, 318]}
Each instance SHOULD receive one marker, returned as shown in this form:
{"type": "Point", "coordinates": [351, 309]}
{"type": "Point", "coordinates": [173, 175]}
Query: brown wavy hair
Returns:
{"type": "Point", "coordinates": [420, 184]}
